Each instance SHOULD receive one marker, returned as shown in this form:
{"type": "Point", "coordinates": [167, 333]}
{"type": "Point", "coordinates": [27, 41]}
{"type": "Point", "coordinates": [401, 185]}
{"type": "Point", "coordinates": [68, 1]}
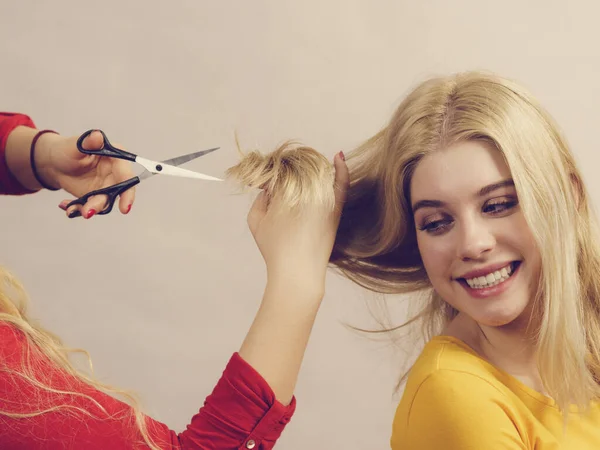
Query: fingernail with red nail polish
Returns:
{"type": "Point", "coordinates": [128, 209]}
{"type": "Point", "coordinates": [342, 156]}
{"type": "Point", "coordinates": [90, 213]}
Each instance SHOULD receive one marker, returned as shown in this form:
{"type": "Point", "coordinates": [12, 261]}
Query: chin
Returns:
{"type": "Point", "coordinates": [499, 318]}
{"type": "Point", "coordinates": [496, 322]}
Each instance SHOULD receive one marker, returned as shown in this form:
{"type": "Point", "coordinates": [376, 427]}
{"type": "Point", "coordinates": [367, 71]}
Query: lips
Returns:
{"type": "Point", "coordinates": [488, 269]}
{"type": "Point", "coordinates": [492, 290]}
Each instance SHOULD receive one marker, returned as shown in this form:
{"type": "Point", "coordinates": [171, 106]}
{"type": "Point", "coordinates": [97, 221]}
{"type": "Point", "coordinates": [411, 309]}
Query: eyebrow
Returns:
{"type": "Point", "coordinates": [482, 192]}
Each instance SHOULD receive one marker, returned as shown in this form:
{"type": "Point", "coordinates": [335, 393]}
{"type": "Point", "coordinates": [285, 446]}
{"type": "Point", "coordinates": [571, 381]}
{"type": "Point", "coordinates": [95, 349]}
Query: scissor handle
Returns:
{"type": "Point", "coordinates": [112, 192]}
{"type": "Point", "coordinates": [107, 148]}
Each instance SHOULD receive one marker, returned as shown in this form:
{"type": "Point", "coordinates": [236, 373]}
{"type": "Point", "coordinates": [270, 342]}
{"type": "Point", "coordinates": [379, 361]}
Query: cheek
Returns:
{"type": "Point", "coordinates": [528, 248]}
{"type": "Point", "coordinates": [517, 235]}
{"type": "Point", "coordinates": [435, 255]}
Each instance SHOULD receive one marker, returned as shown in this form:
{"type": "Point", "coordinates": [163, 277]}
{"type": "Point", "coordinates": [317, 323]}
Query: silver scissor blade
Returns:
{"type": "Point", "coordinates": [179, 160]}
{"type": "Point", "coordinates": [166, 169]}
{"type": "Point", "coordinates": [145, 174]}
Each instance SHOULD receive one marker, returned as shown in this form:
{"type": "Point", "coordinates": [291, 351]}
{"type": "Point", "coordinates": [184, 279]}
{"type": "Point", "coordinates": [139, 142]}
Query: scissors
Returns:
{"type": "Point", "coordinates": [168, 167]}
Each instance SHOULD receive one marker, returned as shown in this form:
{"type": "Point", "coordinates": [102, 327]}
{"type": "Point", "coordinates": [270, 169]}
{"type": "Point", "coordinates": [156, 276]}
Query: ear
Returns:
{"type": "Point", "coordinates": [577, 190]}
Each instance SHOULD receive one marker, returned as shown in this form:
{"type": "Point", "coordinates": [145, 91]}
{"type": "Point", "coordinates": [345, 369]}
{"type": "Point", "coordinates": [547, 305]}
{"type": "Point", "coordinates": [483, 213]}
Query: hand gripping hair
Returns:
{"type": "Point", "coordinates": [294, 175]}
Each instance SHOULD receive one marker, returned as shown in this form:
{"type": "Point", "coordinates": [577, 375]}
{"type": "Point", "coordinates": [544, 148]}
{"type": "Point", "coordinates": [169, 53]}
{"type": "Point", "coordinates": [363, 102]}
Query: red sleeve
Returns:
{"type": "Point", "coordinates": [8, 122]}
{"type": "Point", "coordinates": [240, 413]}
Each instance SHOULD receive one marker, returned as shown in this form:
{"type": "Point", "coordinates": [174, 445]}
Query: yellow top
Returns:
{"type": "Point", "coordinates": [454, 399]}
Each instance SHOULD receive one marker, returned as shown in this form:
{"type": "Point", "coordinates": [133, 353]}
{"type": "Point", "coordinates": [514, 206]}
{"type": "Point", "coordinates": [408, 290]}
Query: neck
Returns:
{"type": "Point", "coordinates": [510, 347]}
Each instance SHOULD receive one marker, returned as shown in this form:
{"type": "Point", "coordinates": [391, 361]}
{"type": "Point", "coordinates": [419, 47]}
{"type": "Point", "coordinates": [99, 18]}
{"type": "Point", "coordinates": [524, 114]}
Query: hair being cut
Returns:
{"type": "Point", "coordinates": [294, 175]}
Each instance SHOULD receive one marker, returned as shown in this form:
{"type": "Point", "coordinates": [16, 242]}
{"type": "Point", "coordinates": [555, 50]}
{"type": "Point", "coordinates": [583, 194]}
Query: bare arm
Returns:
{"type": "Point", "coordinates": [296, 250]}
{"type": "Point", "coordinates": [277, 340]}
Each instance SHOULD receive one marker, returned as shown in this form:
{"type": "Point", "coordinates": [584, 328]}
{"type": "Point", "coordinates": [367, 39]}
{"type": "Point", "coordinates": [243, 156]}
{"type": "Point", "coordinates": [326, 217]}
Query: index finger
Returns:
{"type": "Point", "coordinates": [123, 171]}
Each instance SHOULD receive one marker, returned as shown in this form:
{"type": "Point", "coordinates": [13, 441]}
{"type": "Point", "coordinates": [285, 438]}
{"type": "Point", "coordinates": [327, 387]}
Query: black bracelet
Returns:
{"type": "Point", "coordinates": [32, 160]}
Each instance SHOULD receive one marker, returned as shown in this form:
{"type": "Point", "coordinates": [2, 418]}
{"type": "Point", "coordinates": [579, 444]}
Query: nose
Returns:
{"type": "Point", "coordinates": [475, 239]}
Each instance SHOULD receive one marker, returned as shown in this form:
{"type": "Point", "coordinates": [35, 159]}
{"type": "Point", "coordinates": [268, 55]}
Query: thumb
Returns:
{"type": "Point", "coordinates": [258, 211]}
{"type": "Point", "coordinates": [342, 181]}
{"type": "Point", "coordinates": [93, 141]}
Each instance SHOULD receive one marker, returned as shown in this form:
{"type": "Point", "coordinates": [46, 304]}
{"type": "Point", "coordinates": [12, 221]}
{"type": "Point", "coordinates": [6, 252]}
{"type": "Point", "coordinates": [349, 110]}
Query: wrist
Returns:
{"type": "Point", "coordinates": [43, 160]}
{"type": "Point", "coordinates": [18, 157]}
{"type": "Point", "coordinates": [297, 284]}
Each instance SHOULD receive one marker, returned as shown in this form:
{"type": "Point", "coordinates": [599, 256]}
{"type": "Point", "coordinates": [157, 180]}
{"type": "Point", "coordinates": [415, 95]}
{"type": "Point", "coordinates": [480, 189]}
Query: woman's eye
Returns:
{"type": "Point", "coordinates": [500, 206]}
{"type": "Point", "coordinates": [435, 226]}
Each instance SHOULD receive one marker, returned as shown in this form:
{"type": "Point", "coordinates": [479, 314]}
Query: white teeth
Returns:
{"type": "Point", "coordinates": [491, 279]}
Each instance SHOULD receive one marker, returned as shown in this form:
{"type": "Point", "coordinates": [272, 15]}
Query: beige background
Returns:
{"type": "Point", "coordinates": [162, 297]}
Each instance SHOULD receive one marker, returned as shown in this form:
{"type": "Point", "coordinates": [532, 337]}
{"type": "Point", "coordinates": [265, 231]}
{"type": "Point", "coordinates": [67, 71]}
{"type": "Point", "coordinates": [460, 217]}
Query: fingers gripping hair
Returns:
{"type": "Point", "coordinates": [294, 176]}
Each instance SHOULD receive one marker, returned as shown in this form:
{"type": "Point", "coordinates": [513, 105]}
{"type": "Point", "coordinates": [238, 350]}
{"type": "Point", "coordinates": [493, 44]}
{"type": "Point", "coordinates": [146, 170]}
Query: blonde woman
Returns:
{"type": "Point", "coordinates": [476, 202]}
{"type": "Point", "coordinates": [47, 403]}
{"type": "Point", "coordinates": [470, 199]}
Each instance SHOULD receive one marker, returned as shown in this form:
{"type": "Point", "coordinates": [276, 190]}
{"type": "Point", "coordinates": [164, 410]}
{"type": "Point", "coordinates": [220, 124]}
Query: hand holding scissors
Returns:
{"type": "Point", "coordinates": [168, 167]}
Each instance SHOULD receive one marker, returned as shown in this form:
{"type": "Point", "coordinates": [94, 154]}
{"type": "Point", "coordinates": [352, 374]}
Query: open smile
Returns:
{"type": "Point", "coordinates": [493, 283]}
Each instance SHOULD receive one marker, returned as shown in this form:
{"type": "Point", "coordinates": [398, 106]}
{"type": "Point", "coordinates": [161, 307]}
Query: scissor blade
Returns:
{"type": "Point", "coordinates": [167, 169]}
{"type": "Point", "coordinates": [179, 160]}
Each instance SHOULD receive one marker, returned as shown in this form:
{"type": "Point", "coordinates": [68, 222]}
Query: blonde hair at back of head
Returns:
{"type": "Point", "coordinates": [43, 348]}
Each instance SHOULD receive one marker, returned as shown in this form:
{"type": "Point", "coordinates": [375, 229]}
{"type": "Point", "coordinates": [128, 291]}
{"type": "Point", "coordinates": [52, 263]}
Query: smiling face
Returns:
{"type": "Point", "coordinates": [476, 246]}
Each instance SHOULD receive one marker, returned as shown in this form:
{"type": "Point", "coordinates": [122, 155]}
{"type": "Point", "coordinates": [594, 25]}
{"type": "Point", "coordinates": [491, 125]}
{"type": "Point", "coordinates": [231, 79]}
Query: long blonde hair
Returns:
{"type": "Point", "coordinates": [42, 350]}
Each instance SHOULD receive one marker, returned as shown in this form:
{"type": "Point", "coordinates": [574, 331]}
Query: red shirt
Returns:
{"type": "Point", "coordinates": [240, 413]}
